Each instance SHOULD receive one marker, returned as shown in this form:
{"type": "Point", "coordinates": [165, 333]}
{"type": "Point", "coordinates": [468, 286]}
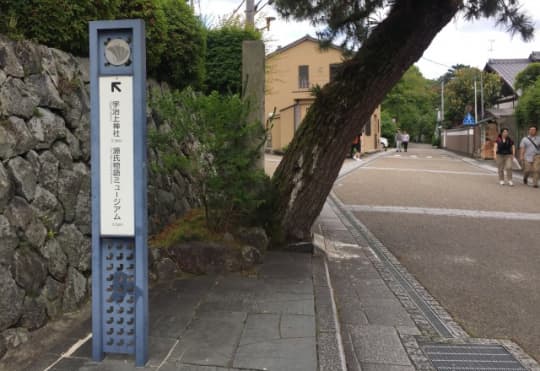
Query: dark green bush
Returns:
{"type": "Point", "coordinates": [222, 160]}
{"type": "Point", "coordinates": [182, 61]}
{"type": "Point", "coordinates": [224, 58]}
{"type": "Point", "coordinates": [528, 108]}
{"type": "Point", "coordinates": [61, 24]}
{"type": "Point", "coordinates": [175, 40]}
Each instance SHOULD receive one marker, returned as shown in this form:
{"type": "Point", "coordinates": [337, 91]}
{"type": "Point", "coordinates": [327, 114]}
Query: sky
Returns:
{"type": "Point", "coordinates": [460, 42]}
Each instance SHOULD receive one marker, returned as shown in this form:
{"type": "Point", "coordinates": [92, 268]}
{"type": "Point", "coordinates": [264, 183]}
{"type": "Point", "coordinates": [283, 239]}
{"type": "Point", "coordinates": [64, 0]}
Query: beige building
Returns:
{"type": "Point", "coordinates": [291, 72]}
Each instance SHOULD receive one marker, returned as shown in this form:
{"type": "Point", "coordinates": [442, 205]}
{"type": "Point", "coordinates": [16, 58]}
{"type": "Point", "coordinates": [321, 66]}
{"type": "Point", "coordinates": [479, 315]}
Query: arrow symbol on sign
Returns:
{"type": "Point", "coordinates": [115, 85]}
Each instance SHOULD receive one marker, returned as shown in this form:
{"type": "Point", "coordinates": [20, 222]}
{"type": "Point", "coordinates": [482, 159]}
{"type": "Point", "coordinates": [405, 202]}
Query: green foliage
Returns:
{"type": "Point", "coordinates": [528, 76]}
{"type": "Point", "coordinates": [528, 108]}
{"type": "Point", "coordinates": [224, 58]}
{"type": "Point", "coordinates": [175, 39]}
{"type": "Point", "coordinates": [459, 93]}
{"type": "Point", "coordinates": [388, 127]}
{"type": "Point", "coordinates": [352, 21]}
{"type": "Point", "coordinates": [182, 61]}
{"type": "Point", "coordinates": [412, 101]}
{"type": "Point", "coordinates": [192, 227]}
{"type": "Point", "coordinates": [451, 73]}
{"type": "Point", "coordinates": [61, 24]}
{"type": "Point", "coordinates": [156, 25]}
{"type": "Point", "coordinates": [225, 147]}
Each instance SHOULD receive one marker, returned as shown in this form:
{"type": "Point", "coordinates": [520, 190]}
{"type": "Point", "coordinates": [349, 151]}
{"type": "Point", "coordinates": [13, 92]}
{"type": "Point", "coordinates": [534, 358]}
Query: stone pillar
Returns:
{"type": "Point", "coordinates": [253, 61]}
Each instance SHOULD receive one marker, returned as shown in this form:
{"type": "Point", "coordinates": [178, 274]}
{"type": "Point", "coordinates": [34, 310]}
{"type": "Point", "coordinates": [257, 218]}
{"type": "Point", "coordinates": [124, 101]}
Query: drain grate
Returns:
{"type": "Point", "coordinates": [471, 357]}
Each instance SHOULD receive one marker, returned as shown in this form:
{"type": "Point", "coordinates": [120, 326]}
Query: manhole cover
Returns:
{"type": "Point", "coordinates": [445, 357]}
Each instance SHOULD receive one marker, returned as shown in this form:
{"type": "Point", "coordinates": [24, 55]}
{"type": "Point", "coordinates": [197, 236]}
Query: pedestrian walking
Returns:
{"type": "Point", "coordinates": [529, 154]}
{"type": "Point", "coordinates": [397, 137]}
{"type": "Point", "coordinates": [356, 147]}
{"type": "Point", "coordinates": [503, 153]}
{"type": "Point", "coordinates": [405, 140]}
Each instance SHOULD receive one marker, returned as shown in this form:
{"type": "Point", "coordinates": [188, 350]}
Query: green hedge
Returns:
{"type": "Point", "coordinates": [174, 36]}
{"type": "Point", "coordinates": [528, 108]}
{"type": "Point", "coordinates": [224, 58]}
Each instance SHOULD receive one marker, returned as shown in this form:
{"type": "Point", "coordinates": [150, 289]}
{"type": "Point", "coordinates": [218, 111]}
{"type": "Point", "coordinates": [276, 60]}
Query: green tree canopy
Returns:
{"type": "Point", "coordinates": [451, 73]}
{"type": "Point", "coordinates": [183, 58]}
{"type": "Point", "coordinates": [413, 102]}
{"type": "Point", "coordinates": [224, 57]}
{"type": "Point", "coordinates": [528, 76]}
{"type": "Point", "coordinates": [528, 108]}
{"type": "Point", "coordinates": [459, 93]}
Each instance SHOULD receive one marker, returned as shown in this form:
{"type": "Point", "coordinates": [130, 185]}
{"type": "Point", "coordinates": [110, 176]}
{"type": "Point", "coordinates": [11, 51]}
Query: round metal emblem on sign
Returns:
{"type": "Point", "coordinates": [117, 52]}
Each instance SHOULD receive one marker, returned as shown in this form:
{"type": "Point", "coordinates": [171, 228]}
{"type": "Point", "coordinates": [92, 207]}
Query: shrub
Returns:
{"type": "Point", "coordinates": [223, 155]}
{"type": "Point", "coordinates": [528, 108]}
{"type": "Point", "coordinates": [224, 58]}
{"type": "Point", "coordinates": [155, 25]}
{"type": "Point", "coordinates": [61, 24]}
{"type": "Point", "coordinates": [175, 40]}
{"type": "Point", "coordinates": [182, 61]}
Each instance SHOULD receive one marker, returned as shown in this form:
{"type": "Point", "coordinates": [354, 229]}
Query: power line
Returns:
{"type": "Point", "coordinates": [434, 62]}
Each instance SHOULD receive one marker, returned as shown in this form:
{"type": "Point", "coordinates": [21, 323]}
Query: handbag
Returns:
{"type": "Point", "coordinates": [516, 163]}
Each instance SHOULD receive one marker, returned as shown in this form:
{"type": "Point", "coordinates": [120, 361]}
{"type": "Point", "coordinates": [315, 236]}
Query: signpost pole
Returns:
{"type": "Point", "coordinates": [119, 204]}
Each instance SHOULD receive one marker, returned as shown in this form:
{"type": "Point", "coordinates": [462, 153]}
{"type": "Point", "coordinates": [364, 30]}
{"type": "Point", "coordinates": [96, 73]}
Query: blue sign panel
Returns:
{"type": "Point", "coordinates": [469, 119]}
{"type": "Point", "coordinates": [119, 205]}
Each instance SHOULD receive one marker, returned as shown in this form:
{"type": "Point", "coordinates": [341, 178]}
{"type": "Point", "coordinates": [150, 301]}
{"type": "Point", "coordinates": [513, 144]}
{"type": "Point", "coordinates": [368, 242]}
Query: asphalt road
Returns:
{"type": "Point", "coordinates": [474, 245]}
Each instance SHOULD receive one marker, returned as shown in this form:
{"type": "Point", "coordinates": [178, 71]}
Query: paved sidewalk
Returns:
{"type": "Point", "coordinates": [372, 319]}
{"type": "Point", "coordinates": [211, 323]}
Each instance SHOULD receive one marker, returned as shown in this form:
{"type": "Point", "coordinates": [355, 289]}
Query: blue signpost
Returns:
{"type": "Point", "coordinates": [119, 210]}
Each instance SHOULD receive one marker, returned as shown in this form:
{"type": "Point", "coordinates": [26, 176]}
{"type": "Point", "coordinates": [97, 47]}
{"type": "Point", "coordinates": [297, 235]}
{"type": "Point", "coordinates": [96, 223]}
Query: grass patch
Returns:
{"type": "Point", "coordinates": [191, 227]}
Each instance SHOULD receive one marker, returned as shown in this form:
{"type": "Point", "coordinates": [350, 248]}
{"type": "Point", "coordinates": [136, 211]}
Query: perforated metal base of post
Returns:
{"type": "Point", "coordinates": [118, 292]}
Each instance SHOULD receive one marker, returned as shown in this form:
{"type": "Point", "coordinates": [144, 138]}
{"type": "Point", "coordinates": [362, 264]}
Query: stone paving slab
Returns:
{"type": "Point", "coordinates": [211, 339]}
{"type": "Point", "coordinates": [378, 344]}
{"type": "Point", "coordinates": [217, 323]}
{"type": "Point", "coordinates": [297, 354]}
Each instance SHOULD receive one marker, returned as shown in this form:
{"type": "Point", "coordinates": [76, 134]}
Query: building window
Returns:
{"type": "Point", "coordinates": [334, 69]}
{"type": "Point", "coordinates": [303, 77]}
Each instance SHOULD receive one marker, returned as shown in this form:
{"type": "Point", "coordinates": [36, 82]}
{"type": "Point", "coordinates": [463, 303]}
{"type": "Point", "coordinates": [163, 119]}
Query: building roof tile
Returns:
{"type": "Point", "coordinates": [509, 68]}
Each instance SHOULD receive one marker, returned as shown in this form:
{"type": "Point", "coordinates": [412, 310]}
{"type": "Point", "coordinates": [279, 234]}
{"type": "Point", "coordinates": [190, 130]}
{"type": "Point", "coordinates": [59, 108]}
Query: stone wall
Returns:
{"type": "Point", "coordinates": [45, 220]}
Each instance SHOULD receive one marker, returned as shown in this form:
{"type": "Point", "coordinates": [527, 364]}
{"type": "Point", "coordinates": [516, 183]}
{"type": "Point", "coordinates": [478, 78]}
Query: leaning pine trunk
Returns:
{"type": "Point", "coordinates": [308, 170]}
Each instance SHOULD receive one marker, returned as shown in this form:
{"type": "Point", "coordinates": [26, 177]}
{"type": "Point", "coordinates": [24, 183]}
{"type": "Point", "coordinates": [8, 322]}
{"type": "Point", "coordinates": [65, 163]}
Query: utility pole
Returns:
{"type": "Point", "coordinates": [253, 76]}
{"type": "Point", "coordinates": [250, 13]}
{"type": "Point", "coordinates": [442, 101]}
{"type": "Point", "coordinates": [482, 95]}
{"type": "Point", "coordinates": [475, 103]}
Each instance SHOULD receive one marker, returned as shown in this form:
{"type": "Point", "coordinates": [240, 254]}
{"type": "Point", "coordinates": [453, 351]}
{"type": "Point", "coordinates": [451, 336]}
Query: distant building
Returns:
{"type": "Point", "coordinates": [508, 69]}
{"type": "Point", "coordinates": [291, 72]}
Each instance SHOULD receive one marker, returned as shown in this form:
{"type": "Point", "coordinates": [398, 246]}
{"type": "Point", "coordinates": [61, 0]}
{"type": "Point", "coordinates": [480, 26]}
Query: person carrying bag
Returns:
{"type": "Point", "coordinates": [530, 155]}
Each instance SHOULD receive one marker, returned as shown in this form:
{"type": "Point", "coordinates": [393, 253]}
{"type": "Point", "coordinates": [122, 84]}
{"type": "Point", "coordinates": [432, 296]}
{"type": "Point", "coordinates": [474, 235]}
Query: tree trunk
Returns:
{"type": "Point", "coordinates": [308, 170]}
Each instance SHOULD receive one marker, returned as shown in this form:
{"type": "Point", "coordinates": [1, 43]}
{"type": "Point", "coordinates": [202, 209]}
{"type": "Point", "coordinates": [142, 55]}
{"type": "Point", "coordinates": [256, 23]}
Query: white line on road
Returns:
{"type": "Point", "coordinates": [445, 212]}
{"type": "Point", "coordinates": [70, 351]}
{"type": "Point", "coordinates": [396, 169]}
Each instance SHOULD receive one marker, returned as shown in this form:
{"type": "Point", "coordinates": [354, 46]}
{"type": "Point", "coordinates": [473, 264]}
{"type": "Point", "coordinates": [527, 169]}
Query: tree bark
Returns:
{"type": "Point", "coordinates": [312, 162]}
